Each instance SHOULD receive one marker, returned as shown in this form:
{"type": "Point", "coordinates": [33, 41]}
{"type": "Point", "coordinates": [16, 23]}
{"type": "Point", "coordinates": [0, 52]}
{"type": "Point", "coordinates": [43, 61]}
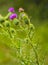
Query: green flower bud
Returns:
{"type": "Point", "coordinates": [7, 24]}
{"type": "Point", "coordinates": [32, 27]}
{"type": "Point", "coordinates": [1, 19]}
{"type": "Point", "coordinates": [16, 21]}
{"type": "Point", "coordinates": [26, 19]}
{"type": "Point", "coordinates": [12, 30]}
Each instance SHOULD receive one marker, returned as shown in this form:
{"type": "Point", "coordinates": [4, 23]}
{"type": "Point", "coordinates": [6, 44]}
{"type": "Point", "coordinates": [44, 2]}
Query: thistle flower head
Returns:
{"type": "Point", "coordinates": [12, 16]}
{"type": "Point", "coordinates": [21, 9]}
{"type": "Point", "coordinates": [11, 9]}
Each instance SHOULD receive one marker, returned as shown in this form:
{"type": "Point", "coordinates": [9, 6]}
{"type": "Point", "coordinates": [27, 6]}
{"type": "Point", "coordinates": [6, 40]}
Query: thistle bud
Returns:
{"type": "Point", "coordinates": [12, 30]}
{"type": "Point", "coordinates": [16, 21]}
{"type": "Point", "coordinates": [32, 27]}
{"type": "Point", "coordinates": [26, 20]}
{"type": "Point", "coordinates": [1, 19]}
{"type": "Point", "coordinates": [7, 24]}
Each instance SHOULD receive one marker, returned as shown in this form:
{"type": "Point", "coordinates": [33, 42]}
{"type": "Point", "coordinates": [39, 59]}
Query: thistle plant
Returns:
{"type": "Point", "coordinates": [16, 33]}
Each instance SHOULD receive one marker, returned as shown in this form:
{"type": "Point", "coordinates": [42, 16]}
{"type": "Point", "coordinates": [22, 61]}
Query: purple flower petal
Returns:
{"type": "Point", "coordinates": [13, 16]}
{"type": "Point", "coordinates": [11, 9]}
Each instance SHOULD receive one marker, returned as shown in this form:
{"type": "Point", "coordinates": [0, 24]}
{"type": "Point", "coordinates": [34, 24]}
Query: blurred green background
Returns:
{"type": "Point", "coordinates": [37, 10]}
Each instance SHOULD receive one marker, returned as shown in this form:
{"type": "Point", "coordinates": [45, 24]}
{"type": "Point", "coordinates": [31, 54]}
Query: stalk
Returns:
{"type": "Point", "coordinates": [36, 55]}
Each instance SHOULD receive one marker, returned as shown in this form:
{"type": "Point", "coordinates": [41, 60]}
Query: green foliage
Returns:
{"type": "Point", "coordinates": [37, 9]}
{"type": "Point", "coordinates": [20, 43]}
{"type": "Point", "coordinates": [16, 41]}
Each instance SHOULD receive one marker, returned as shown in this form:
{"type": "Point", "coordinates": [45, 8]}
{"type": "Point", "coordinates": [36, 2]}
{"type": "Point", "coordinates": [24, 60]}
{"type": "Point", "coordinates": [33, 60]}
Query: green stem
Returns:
{"type": "Point", "coordinates": [9, 33]}
{"type": "Point", "coordinates": [36, 55]}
